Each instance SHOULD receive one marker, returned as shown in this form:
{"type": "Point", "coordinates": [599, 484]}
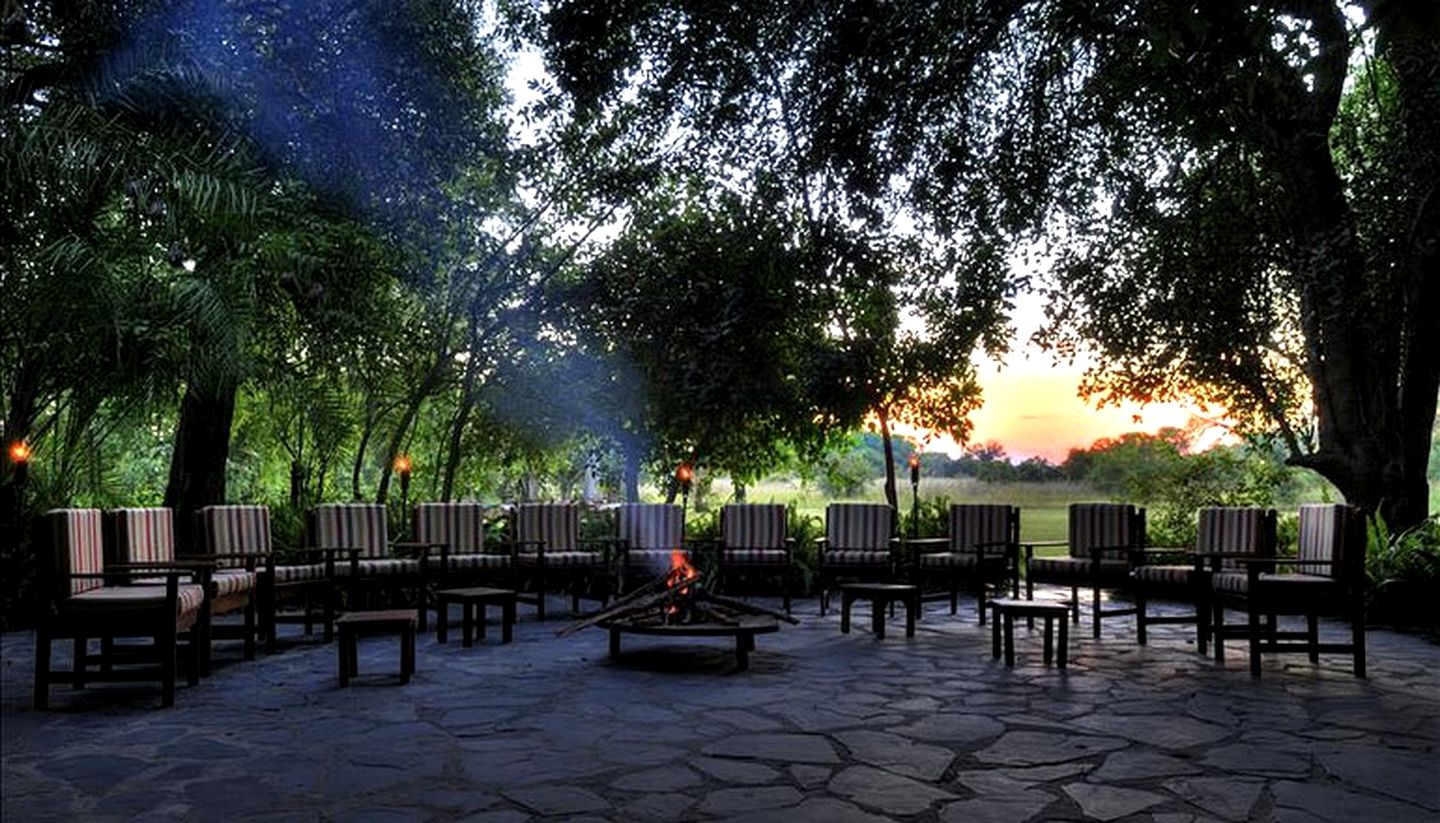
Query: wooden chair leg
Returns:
{"type": "Point", "coordinates": [1254, 615]}
{"type": "Point", "coordinates": [1312, 636]}
{"type": "Point", "coordinates": [1217, 624]}
{"type": "Point", "coordinates": [165, 647]}
{"type": "Point", "coordinates": [42, 668]}
{"type": "Point", "coordinates": [1357, 638]}
{"type": "Point", "coordinates": [1140, 615]}
{"type": "Point", "coordinates": [1095, 609]}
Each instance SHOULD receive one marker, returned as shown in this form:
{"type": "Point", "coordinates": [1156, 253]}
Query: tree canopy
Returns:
{"type": "Point", "coordinates": [1230, 201]}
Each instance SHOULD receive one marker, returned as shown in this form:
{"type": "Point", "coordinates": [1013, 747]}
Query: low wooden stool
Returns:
{"type": "Point", "coordinates": [351, 625]}
{"type": "Point", "coordinates": [880, 595]}
{"type": "Point", "coordinates": [1006, 609]}
{"type": "Point", "coordinates": [469, 600]}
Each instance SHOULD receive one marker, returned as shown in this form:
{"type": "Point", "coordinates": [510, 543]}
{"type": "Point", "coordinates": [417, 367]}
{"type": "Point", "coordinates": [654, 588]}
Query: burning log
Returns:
{"type": "Point", "coordinates": [679, 598]}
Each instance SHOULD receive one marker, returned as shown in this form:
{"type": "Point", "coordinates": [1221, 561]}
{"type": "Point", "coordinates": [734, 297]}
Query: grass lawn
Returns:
{"type": "Point", "coordinates": [1043, 506]}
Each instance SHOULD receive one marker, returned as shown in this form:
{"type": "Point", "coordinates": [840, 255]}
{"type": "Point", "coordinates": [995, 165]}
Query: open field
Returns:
{"type": "Point", "coordinates": [1042, 505]}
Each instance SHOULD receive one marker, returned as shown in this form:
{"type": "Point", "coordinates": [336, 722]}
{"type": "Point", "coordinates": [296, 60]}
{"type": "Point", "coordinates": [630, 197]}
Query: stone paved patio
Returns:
{"type": "Point", "coordinates": [824, 727]}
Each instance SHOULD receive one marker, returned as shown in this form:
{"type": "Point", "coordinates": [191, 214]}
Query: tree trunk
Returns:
{"type": "Point", "coordinates": [891, 496]}
{"type": "Point", "coordinates": [632, 474]}
{"type": "Point", "coordinates": [197, 464]}
{"type": "Point", "coordinates": [1373, 348]}
{"type": "Point", "coordinates": [457, 426]}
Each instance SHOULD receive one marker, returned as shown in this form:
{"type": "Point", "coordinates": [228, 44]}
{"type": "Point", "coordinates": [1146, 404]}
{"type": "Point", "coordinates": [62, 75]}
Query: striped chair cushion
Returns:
{"type": "Point", "coordinates": [1323, 537]}
{"type": "Point", "coordinates": [360, 526]}
{"type": "Point", "coordinates": [647, 526]}
{"type": "Point", "coordinates": [564, 559]}
{"type": "Point", "coordinates": [557, 525]}
{"type": "Point", "coordinates": [948, 560]}
{"type": "Point", "coordinates": [143, 535]}
{"type": "Point", "coordinates": [381, 567]}
{"type": "Point", "coordinates": [972, 525]}
{"type": "Point", "coordinates": [231, 581]}
{"type": "Point", "coordinates": [859, 526]}
{"type": "Point", "coordinates": [1072, 568]}
{"type": "Point", "coordinates": [754, 557]}
{"type": "Point", "coordinates": [1230, 582]}
{"type": "Point", "coordinates": [651, 558]}
{"type": "Point", "coordinates": [1163, 575]}
{"type": "Point", "coordinates": [857, 558]}
{"type": "Point", "coordinates": [79, 544]}
{"type": "Point", "coordinates": [460, 526]}
{"type": "Point", "coordinates": [300, 574]}
{"type": "Point", "coordinates": [469, 562]}
{"type": "Point", "coordinates": [1116, 527]}
{"type": "Point", "coordinates": [235, 530]}
{"type": "Point", "coordinates": [1231, 529]}
{"type": "Point", "coordinates": [188, 597]}
{"type": "Point", "coordinates": [753, 526]}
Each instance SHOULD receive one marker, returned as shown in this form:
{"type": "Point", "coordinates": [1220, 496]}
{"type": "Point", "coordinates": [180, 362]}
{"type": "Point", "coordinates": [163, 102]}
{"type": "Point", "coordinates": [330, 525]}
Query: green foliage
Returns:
{"type": "Point", "coordinates": [1404, 573]}
{"type": "Point", "coordinates": [931, 519]}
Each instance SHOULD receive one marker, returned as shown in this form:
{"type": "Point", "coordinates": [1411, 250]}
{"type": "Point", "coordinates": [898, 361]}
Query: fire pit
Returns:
{"type": "Point", "coordinates": [679, 604]}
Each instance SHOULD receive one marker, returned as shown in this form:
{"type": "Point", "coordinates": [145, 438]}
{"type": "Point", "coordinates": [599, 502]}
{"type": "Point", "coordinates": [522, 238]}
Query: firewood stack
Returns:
{"type": "Point", "coordinates": [675, 600]}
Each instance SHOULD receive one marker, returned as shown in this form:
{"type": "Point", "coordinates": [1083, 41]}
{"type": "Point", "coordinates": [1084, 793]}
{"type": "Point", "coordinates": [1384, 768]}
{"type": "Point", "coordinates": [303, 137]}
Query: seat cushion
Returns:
{"type": "Point", "coordinates": [188, 597]}
{"type": "Point", "coordinates": [299, 573]}
{"type": "Point", "coordinates": [1298, 579]}
{"type": "Point", "coordinates": [564, 559]}
{"type": "Point", "coordinates": [856, 557]}
{"type": "Point", "coordinates": [1230, 582]}
{"type": "Point", "coordinates": [754, 557]}
{"type": "Point", "coordinates": [1076, 567]}
{"type": "Point", "coordinates": [381, 567]}
{"type": "Point", "coordinates": [231, 581]}
{"type": "Point", "coordinates": [650, 558]}
{"type": "Point", "coordinates": [947, 560]}
{"type": "Point", "coordinates": [1163, 575]}
{"type": "Point", "coordinates": [481, 560]}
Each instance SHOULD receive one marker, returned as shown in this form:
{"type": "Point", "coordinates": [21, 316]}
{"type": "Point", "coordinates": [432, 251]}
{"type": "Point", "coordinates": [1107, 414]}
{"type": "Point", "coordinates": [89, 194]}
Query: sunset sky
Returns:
{"type": "Point", "coordinates": [1032, 407]}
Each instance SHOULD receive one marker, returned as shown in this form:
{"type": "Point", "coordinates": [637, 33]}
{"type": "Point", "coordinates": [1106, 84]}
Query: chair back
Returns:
{"type": "Point", "coordinates": [360, 526]}
{"type": "Point", "coordinates": [974, 524]}
{"type": "Point", "coordinates": [1332, 532]}
{"type": "Point", "coordinates": [235, 530]}
{"type": "Point", "coordinates": [1234, 529]}
{"type": "Point", "coordinates": [859, 526]}
{"type": "Point", "coordinates": [460, 526]}
{"type": "Point", "coordinates": [141, 536]}
{"type": "Point", "coordinates": [651, 526]}
{"type": "Point", "coordinates": [77, 536]}
{"type": "Point", "coordinates": [557, 525]}
{"type": "Point", "coordinates": [1115, 528]}
{"type": "Point", "coordinates": [753, 526]}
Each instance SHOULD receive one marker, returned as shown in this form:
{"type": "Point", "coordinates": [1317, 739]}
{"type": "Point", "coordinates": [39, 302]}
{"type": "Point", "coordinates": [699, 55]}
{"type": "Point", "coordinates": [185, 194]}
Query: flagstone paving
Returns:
{"type": "Point", "coordinates": [824, 727]}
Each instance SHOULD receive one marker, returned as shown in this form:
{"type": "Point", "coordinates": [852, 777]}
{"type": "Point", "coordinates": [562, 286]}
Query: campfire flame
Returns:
{"type": "Point", "coordinates": [680, 572]}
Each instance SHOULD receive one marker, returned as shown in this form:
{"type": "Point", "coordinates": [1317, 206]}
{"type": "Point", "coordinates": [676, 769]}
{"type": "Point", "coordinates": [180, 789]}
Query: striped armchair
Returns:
{"type": "Point", "coordinates": [1223, 535]}
{"type": "Point", "coordinates": [458, 531]}
{"type": "Point", "coordinates": [237, 539]}
{"type": "Point", "coordinates": [1325, 576]}
{"type": "Point", "coordinates": [981, 548]}
{"type": "Point", "coordinates": [1102, 537]}
{"type": "Point", "coordinates": [859, 542]}
{"type": "Point", "coordinates": [648, 534]}
{"type": "Point", "coordinates": [753, 541]}
{"type": "Point", "coordinates": [90, 601]}
{"type": "Point", "coordinates": [548, 549]}
{"type": "Point", "coordinates": [371, 566]}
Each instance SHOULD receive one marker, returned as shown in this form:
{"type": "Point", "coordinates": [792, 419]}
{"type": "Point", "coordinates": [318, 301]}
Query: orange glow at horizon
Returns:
{"type": "Point", "coordinates": [1033, 410]}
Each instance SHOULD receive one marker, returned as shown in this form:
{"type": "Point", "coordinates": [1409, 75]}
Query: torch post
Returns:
{"type": "Point", "coordinates": [403, 467]}
{"type": "Point", "coordinates": [914, 495]}
{"type": "Point", "coordinates": [684, 476]}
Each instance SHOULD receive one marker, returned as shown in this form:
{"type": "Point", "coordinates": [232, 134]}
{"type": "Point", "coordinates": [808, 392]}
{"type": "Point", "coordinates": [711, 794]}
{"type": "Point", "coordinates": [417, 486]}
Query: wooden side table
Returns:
{"type": "Point", "coordinates": [351, 625]}
{"type": "Point", "coordinates": [471, 600]}
{"type": "Point", "coordinates": [1006, 609]}
{"type": "Point", "coordinates": [880, 595]}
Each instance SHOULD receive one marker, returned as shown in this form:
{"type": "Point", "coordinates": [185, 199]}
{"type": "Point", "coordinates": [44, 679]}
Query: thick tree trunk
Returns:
{"type": "Point", "coordinates": [197, 464]}
{"type": "Point", "coordinates": [632, 474]}
{"type": "Point", "coordinates": [891, 495]}
{"type": "Point", "coordinates": [1373, 348]}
